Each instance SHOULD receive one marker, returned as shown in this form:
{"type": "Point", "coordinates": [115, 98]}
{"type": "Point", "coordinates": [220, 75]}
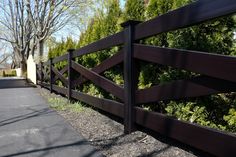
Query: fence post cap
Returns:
{"type": "Point", "coordinates": [130, 22]}
{"type": "Point", "coordinates": [71, 50]}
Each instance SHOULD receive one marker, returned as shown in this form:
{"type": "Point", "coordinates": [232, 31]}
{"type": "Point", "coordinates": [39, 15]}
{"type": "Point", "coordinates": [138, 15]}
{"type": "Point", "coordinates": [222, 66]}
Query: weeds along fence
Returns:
{"type": "Point", "coordinates": [218, 75]}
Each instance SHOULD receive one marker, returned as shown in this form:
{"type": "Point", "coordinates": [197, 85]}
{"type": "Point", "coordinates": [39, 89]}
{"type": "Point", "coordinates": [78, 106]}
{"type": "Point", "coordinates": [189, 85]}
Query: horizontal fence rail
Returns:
{"type": "Point", "coordinates": [214, 65]}
{"type": "Point", "coordinates": [216, 75]}
{"type": "Point", "coordinates": [189, 88]}
{"type": "Point", "coordinates": [195, 13]}
{"type": "Point", "coordinates": [113, 40]}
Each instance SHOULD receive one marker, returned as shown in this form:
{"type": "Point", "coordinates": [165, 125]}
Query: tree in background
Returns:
{"type": "Point", "coordinates": [134, 10]}
{"type": "Point", "coordinates": [157, 8]}
{"type": "Point", "coordinates": [61, 47]}
{"type": "Point", "coordinates": [47, 17]}
{"type": "Point", "coordinates": [112, 18]}
{"type": "Point", "coordinates": [27, 24]}
{"type": "Point", "coordinates": [5, 58]}
{"type": "Point", "coordinates": [16, 30]}
{"type": "Point", "coordinates": [101, 25]}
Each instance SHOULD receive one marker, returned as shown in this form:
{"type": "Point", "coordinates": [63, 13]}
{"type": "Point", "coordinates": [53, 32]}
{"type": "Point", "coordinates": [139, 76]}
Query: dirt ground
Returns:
{"type": "Point", "coordinates": [107, 135]}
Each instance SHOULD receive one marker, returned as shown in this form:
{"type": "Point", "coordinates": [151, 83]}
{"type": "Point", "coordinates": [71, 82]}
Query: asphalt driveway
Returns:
{"type": "Point", "coordinates": [29, 128]}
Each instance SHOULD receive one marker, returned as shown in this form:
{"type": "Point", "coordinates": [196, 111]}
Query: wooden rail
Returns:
{"type": "Point", "coordinates": [217, 76]}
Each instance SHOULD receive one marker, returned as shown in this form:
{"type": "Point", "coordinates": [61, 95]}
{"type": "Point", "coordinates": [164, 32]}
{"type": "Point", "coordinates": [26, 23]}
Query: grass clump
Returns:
{"type": "Point", "coordinates": [61, 104]}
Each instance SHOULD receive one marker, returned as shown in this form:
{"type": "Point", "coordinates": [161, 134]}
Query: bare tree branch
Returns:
{"type": "Point", "coordinates": [4, 58]}
{"type": "Point", "coordinates": [49, 16]}
{"type": "Point", "coordinates": [27, 24]}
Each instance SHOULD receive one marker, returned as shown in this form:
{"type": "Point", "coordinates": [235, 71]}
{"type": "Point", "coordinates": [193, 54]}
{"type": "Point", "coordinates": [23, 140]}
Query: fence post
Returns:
{"type": "Point", "coordinates": [51, 75]}
{"type": "Point", "coordinates": [69, 59]}
{"type": "Point", "coordinates": [130, 80]}
{"type": "Point", "coordinates": [41, 74]}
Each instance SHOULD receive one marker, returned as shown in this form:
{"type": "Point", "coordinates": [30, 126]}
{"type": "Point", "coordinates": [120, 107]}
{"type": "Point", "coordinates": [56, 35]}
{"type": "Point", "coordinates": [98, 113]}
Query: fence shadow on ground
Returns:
{"type": "Point", "coordinates": [19, 118]}
{"type": "Point", "coordinates": [45, 151]}
{"type": "Point", "coordinates": [15, 83]}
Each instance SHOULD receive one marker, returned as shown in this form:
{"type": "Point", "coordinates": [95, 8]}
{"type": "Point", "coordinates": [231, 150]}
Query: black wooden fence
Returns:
{"type": "Point", "coordinates": [218, 75]}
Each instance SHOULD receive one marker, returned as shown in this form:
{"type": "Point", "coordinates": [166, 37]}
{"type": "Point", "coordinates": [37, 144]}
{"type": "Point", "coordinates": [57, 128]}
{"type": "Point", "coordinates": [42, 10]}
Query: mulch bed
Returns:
{"type": "Point", "coordinates": [107, 135]}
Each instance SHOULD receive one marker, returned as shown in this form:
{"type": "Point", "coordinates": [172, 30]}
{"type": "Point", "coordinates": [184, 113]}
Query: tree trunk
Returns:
{"type": "Point", "coordinates": [17, 57]}
{"type": "Point", "coordinates": [40, 48]}
{"type": "Point", "coordinates": [33, 47]}
{"type": "Point", "coordinates": [23, 66]}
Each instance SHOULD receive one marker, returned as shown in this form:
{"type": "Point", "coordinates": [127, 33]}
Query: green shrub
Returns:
{"type": "Point", "coordinates": [13, 72]}
{"type": "Point", "coordinates": [231, 119]}
{"type": "Point", "coordinates": [192, 112]}
{"type": "Point", "coordinates": [9, 73]}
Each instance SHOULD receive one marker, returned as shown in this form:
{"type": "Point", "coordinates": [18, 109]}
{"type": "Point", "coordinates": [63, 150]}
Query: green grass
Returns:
{"type": "Point", "coordinates": [62, 104]}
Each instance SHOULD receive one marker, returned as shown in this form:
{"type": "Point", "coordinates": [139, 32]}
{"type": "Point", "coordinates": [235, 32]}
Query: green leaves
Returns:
{"type": "Point", "coordinates": [61, 49]}
{"type": "Point", "coordinates": [134, 10]}
{"type": "Point", "coordinates": [231, 119]}
{"type": "Point", "coordinates": [192, 112]}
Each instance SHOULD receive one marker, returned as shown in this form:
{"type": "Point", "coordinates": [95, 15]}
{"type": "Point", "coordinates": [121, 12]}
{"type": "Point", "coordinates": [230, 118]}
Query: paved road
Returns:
{"type": "Point", "coordinates": [28, 128]}
{"type": "Point", "coordinates": [14, 82]}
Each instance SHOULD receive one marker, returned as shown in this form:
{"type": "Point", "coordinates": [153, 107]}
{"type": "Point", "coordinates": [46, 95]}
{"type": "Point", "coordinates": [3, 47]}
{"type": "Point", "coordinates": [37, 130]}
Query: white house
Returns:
{"type": "Point", "coordinates": [31, 69]}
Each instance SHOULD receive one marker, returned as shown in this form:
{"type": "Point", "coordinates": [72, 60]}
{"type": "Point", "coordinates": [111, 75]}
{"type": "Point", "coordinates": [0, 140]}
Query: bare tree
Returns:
{"type": "Point", "coordinates": [17, 29]}
{"type": "Point", "coordinates": [5, 57]}
{"type": "Point", "coordinates": [49, 16]}
{"type": "Point", "coordinates": [26, 24]}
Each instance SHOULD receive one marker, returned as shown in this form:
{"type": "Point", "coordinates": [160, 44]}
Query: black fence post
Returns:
{"type": "Point", "coordinates": [41, 74]}
{"type": "Point", "coordinates": [130, 80]}
{"type": "Point", "coordinates": [51, 75]}
{"type": "Point", "coordinates": [69, 59]}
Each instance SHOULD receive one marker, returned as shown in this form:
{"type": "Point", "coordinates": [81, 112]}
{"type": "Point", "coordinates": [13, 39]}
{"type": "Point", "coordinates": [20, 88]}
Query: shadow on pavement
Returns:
{"type": "Point", "coordinates": [15, 83]}
{"type": "Point", "coordinates": [25, 116]}
{"type": "Point", "coordinates": [47, 149]}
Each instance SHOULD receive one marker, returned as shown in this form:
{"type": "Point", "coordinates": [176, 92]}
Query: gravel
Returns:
{"type": "Point", "coordinates": [107, 135]}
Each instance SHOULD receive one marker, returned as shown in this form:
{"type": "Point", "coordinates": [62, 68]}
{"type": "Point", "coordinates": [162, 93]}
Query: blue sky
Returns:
{"type": "Point", "coordinates": [75, 33]}
{"type": "Point", "coordinates": [122, 3]}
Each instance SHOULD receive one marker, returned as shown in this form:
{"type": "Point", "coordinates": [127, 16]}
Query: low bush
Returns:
{"type": "Point", "coordinates": [8, 73]}
{"type": "Point", "coordinates": [1, 73]}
